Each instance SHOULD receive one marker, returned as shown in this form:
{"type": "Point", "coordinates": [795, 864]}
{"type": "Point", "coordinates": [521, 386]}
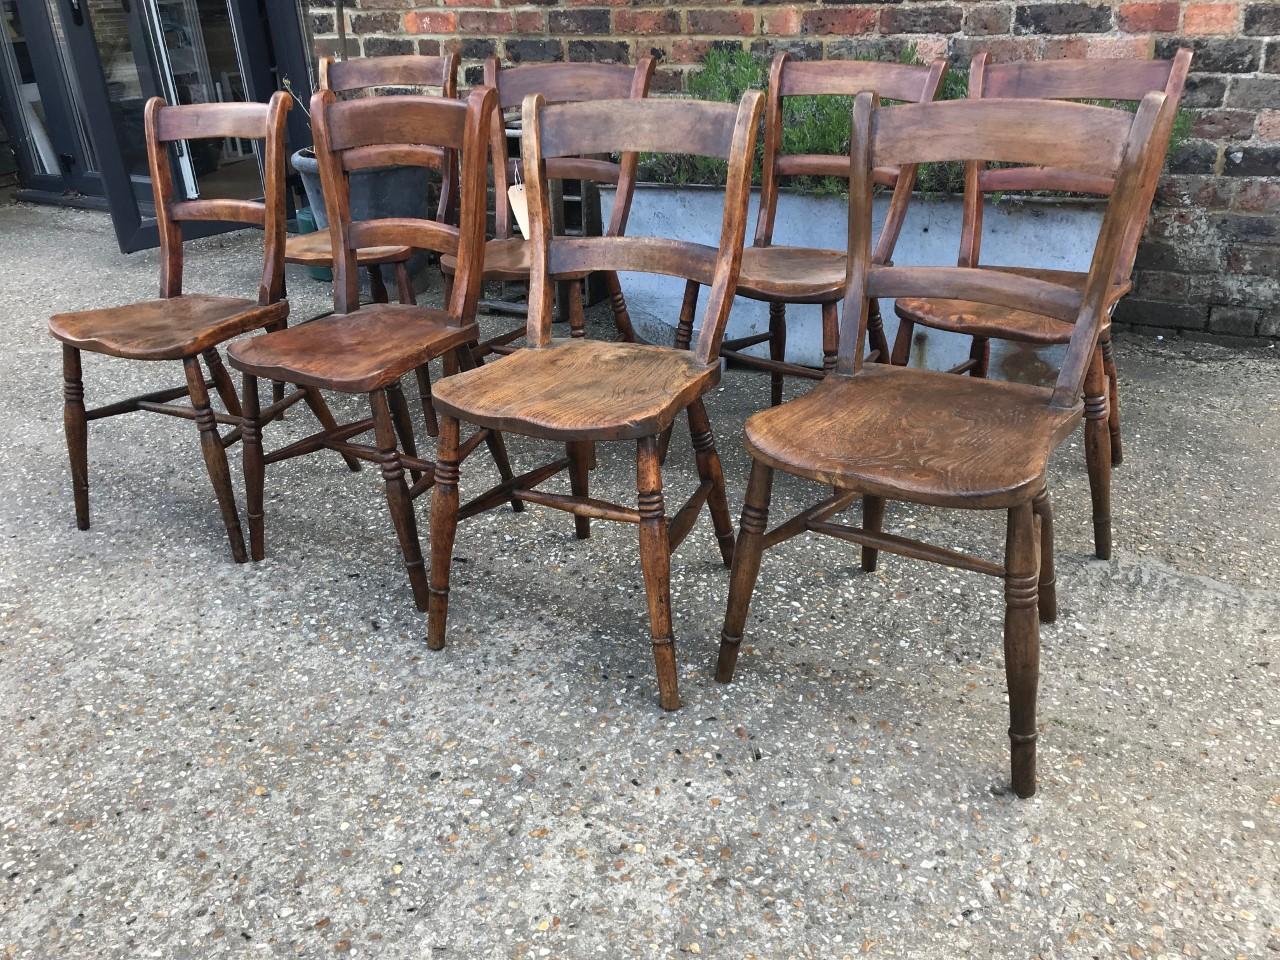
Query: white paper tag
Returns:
{"type": "Point", "coordinates": [520, 207]}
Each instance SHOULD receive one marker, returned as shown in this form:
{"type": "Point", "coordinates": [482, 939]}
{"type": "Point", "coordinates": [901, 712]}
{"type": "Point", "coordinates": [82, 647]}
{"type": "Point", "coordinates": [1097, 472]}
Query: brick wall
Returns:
{"type": "Point", "coordinates": [1211, 260]}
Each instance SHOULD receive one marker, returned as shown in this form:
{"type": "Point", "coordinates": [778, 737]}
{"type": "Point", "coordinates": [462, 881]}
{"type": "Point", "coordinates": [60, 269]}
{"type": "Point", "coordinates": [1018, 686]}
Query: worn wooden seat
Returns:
{"type": "Point", "coordinates": [881, 432]}
{"type": "Point", "coordinates": [364, 76]}
{"type": "Point", "coordinates": [918, 435]}
{"type": "Point", "coordinates": [581, 392]}
{"type": "Point", "coordinates": [782, 275]}
{"type": "Point", "coordinates": [357, 352]}
{"type": "Point", "coordinates": [507, 256]}
{"type": "Point", "coordinates": [187, 327]}
{"type": "Point", "coordinates": [366, 349]}
{"type": "Point", "coordinates": [172, 328]}
{"type": "Point", "coordinates": [1059, 80]}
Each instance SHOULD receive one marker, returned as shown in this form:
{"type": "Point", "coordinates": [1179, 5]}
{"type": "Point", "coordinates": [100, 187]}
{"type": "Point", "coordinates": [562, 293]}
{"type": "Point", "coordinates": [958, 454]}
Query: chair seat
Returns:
{"type": "Point", "coordinates": [792, 274]}
{"type": "Point", "coordinates": [917, 435]}
{"type": "Point", "coordinates": [579, 390]}
{"type": "Point", "coordinates": [353, 352]}
{"type": "Point", "coordinates": [505, 259]}
{"type": "Point", "coordinates": [316, 250]}
{"type": "Point", "coordinates": [167, 329]}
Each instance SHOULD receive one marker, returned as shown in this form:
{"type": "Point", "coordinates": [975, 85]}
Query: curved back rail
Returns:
{"type": "Point", "coordinates": [405, 130]}
{"type": "Point", "coordinates": [717, 130]}
{"type": "Point", "coordinates": [242, 121]}
{"type": "Point", "coordinates": [792, 78]}
{"type": "Point", "coordinates": [1112, 143]}
{"type": "Point", "coordinates": [566, 83]}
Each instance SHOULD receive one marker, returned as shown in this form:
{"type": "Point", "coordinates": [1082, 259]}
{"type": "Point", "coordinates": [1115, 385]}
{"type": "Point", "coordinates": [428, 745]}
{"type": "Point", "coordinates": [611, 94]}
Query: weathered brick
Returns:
{"type": "Point", "coordinates": [869, 48]}
{"type": "Point", "coordinates": [1262, 19]}
{"type": "Point", "coordinates": [477, 48]}
{"type": "Point", "coordinates": [1233, 321]}
{"type": "Point", "coordinates": [1247, 160]}
{"type": "Point", "coordinates": [1148, 17]}
{"type": "Point", "coordinates": [578, 22]}
{"type": "Point", "coordinates": [1159, 285]}
{"type": "Point", "coordinates": [1217, 55]}
{"type": "Point", "coordinates": [375, 23]}
{"type": "Point", "coordinates": [1193, 156]}
{"type": "Point", "coordinates": [786, 22]}
{"type": "Point", "coordinates": [1268, 126]}
{"type": "Point", "coordinates": [386, 46]}
{"type": "Point", "coordinates": [799, 49]}
{"type": "Point", "coordinates": [322, 23]}
{"type": "Point", "coordinates": [430, 21]}
{"type": "Point", "coordinates": [530, 21]}
{"type": "Point", "coordinates": [722, 22]}
{"type": "Point", "coordinates": [1258, 196]}
{"type": "Point", "coordinates": [989, 19]}
{"type": "Point", "coordinates": [646, 22]}
{"type": "Point", "coordinates": [1271, 61]}
{"type": "Point", "coordinates": [1062, 18]}
{"type": "Point", "coordinates": [1253, 93]}
{"type": "Point", "coordinates": [1118, 48]}
{"type": "Point", "coordinates": [1153, 313]}
{"type": "Point", "coordinates": [1201, 18]}
{"type": "Point", "coordinates": [839, 20]}
{"type": "Point", "coordinates": [1223, 125]}
{"type": "Point", "coordinates": [1254, 259]}
{"type": "Point", "coordinates": [428, 48]}
{"type": "Point", "coordinates": [1269, 325]}
{"type": "Point", "coordinates": [1202, 91]}
{"type": "Point", "coordinates": [533, 50]}
{"type": "Point", "coordinates": [599, 51]}
{"type": "Point", "coordinates": [999, 49]}
{"type": "Point", "coordinates": [921, 18]}
{"type": "Point", "coordinates": [485, 21]}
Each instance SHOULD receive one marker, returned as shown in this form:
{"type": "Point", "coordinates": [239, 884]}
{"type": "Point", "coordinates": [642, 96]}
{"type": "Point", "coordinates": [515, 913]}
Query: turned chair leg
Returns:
{"type": "Point", "coordinates": [577, 319]}
{"type": "Point", "coordinates": [684, 337]}
{"type": "Point", "coordinates": [423, 374]}
{"type": "Point", "coordinates": [76, 425]}
{"type": "Point", "coordinates": [215, 456]}
{"type": "Point", "coordinates": [875, 331]}
{"type": "Point", "coordinates": [404, 284]}
{"type": "Point", "coordinates": [710, 471]}
{"type": "Point", "coordinates": [253, 464]}
{"type": "Point", "coordinates": [655, 561]}
{"type": "Point", "coordinates": [872, 521]}
{"type": "Point", "coordinates": [746, 567]}
{"type": "Point", "coordinates": [579, 482]}
{"type": "Point", "coordinates": [830, 335]}
{"type": "Point", "coordinates": [980, 354]}
{"type": "Point", "coordinates": [398, 501]}
{"type": "Point", "coordinates": [1022, 644]}
{"type": "Point", "coordinates": [464, 358]}
{"type": "Point", "coordinates": [777, 349]}
{"type": "Point", "coordinates": [377, 286]}
{"type": "Point", "coordinates": [902, 342]}
{"type": "Point", "coordinates": [618, 303]}
{"type": "Point", "coordinates": [277, 386]}
{"type": "Point", "coordinates": [222, 382]}
{"type": "Point", "coordinates": [1097, 454]}
{"type": "Point", "coordinates": [444, 526]}
{"type": "Point", "coordinates": [320, 410]}
{"type": "Point", "coordinates": [1048, 588]}
{"type": "Point", "coordinates": [1113, 406]}
{"type": "Point", "coordinates": [403, 422]}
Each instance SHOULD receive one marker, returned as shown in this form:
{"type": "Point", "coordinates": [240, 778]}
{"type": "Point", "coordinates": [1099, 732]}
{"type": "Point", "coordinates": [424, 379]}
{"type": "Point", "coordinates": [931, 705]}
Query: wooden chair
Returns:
{"type": "Point", "coordinates": [507, 256]}
{"type": "Point", "coordinates": [883, 432]}
{"type": "Point", "coordinates": [366, 349]}
{"type": "Point", "coordinates": [358, 76]}
{"type": "Point", "coordinates": [1053, 80]}
{"type": "Point", "coordinates": [186, 326]}
{"type": "Point", "coordinates": [577, 391]}
{"type": "Point", "coordinates": [783, 275]}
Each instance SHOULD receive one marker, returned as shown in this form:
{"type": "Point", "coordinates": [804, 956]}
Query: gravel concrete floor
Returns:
{"type": "Point", "coordinates": [205, 760]}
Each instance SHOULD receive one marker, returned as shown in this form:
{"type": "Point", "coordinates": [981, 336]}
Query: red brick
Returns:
{"type": "Point", "coordinates": [1119, 48]}
{"type": "Point", "coordinates": [687, 50]}
{"type": "Point", "coordinates": [530, 21]}
{"type": "Point", "coordinates": [430, 21]}
{"type": "Point", "coordinates": [1258, 196]}
{"type": "Point", "coordinates": [1065, 48]}
{"type": "Point", "coordinates": [737, 23]}
{"type": "Point", "coordinates": [1148, 17]}
{"type": "Point", "coordinates": [782, 23]}
{"type": "Point", "coordinates": [1201, 18]}
{"type": "Point", "coordinates": [484, 21]}
{"type": "Point", "coordinates": [646, 22]}
{"type": "Point", "coordinates": [846, 21]}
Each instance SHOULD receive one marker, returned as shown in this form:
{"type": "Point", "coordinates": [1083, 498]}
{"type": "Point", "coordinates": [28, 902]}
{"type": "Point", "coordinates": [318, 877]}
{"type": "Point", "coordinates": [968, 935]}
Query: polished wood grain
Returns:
{"type": "Point", "coordinates": [186, 327]}
{"type": "Point", "coordinates": [581, 392]}
{"type": "Point", "coordinates": [783, 275]}
{"type": "Point", "coordinates": [366, 349]}
{"type": "Point", "coordinates": [1072, 168]}
{"type": "Point", "coordinates": [315, 250]}
{"type": "Point", "coordinates": [889, 433]}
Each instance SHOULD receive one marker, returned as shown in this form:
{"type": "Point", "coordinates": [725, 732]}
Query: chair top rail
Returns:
{"type": "Point", "coordinates": [382, 121]}
{"type": "Point", "coordinates": [1076, 79]}
{"type": "Point", "coordinates": [202, 121]}
{"type": "Point", "coordinates": [409, 70]}
{"type": "Point", "coordinates": [913, 83]}
{"type": "Point", "coordinates": [567, 82]}
{"type": "Point", "coordinates": [649, 126]}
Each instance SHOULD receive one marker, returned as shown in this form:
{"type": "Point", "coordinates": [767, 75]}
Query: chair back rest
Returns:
{"type": "Point", "coordinates": [367, 75]}
{"type": "Point", "coordinates": [409, 70]}
{"type": "Point", "coordinates": [242, 121]}
{"type": "Point", "coordinates": [1098, 140]}
{"type": "Point", "coordinates": [718, 130]}
{"type": "Point", "coordinates": [846, 78]}
{"type": "Point", "coordinates": [405, 131]}
{"type": "Point", "coordinates": [565, 83]}
{"type": "Point", "coordinates": [1110, 80]}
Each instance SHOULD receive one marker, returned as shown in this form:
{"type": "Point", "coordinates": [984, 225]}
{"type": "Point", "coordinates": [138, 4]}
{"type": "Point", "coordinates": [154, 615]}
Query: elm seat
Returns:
{"type": "Point", "coordinates": [579, 390]}
{"type": "Point", "coordinates": [923, 435]}
{"type": "Point", "coordinates": [172, 328]}
{"type": "Point", "coordinates": [353, 352]}
{"type": "Point", "coordinates": [792, 274]}
{"type": "Point", "coordinates": [504, 259]}
{"type": "Point", "coordinates": [316, 250]}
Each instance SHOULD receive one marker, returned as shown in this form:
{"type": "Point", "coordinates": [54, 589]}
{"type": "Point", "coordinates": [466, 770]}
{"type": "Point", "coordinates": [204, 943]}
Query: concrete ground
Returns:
{"type": "Point", "coordinates": [209, 760]}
